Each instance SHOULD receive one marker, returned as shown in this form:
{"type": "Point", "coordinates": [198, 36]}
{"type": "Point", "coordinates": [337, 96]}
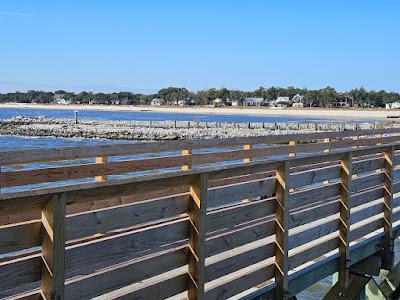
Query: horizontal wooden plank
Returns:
{"type": "Point", "coordinates": [314, 213]}
{"type": "Point", "coordinates": [111, 279]}
{"type": "Point", "coordinates": [369, 181]}
{"type": "Point", "coordinates": [367, 165]}
{"type": "Point", "coordinates": [20, 237]}
{"type": "Point", "coordinates": [314, 176]}
{"type": "Point", "coordinates": [365, 213]}
{"type": "Point", "coordinates": [18, 273]}
{"type": "Point", "coordinates": [68, 153]}
{"type": "Point", "coordinates": [25, 177]}
{"type": "Point", "coordinates": [309, 253]}
{"type": "Point", "coordinates": [239, 236]}
{"type": "Point", "coordinates": [321, 229]}
{"type": "Point", "coordinates": [367, 228]}
{"type": "Point", "coordinates": [241, 260]}
{"type": "Point", "coordinates": [235, 193]}
{"type": "Point", "coordinates": [237, 283]}
{"type": "Point", "coordinates": [242, 213]}
{"type": "Point", "coordinates": [166, 288]}
{"type": "Point", "coordinates": [313, 196]}
{"type": "Point", "coordinates": [366, 196]}
{"type": "Point", "coordinates": [102, 221]}
{"type": "Point", "coordinates": [116, 249]}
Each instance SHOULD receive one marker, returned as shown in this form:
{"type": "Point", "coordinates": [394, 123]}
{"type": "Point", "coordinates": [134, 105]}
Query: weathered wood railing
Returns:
{"type": "Point", "coordinates": [27, 169]}
{"type": "Point", "coordinates": [255, 228]}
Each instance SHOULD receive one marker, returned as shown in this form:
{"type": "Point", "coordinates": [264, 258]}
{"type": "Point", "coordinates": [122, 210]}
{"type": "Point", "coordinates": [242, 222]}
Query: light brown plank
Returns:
{"type": "Point", "coordinates": [114, 278]}
{"type": "Point", "coordinates": [120, 248]}
{"type": "Point", "coordinates": [239, 283]}
{"type": "Point", "coordinates": [315, 176]}
{"type": "Point", "coordinates": [233, 194]}
{"type": "Point", "coordinates": [242, 213]}
{"type": "Point", "coordinates": [307, 235]}
{"type": "Point", "coordinates": [313, 195]}
{"type": "Point", "coordinates": [300, 257]}
{"type": "Point", "coordinates": [102, 221]}
{"type": "Point", "coordinates": [239, 236]}
{"type": "Point", "coordinates": [19, 237]}
{"type": "Point", "coordinates": [17, 273]}
{"type": "Point", "coordinates": [239, 261]}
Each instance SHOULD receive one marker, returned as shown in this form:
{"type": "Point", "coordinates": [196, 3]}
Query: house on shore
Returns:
{"type": "Point", "coordinates": [217, 102]}
{"type": "Point", "coordinates": [157, 102]}
{"type": "Point", "coordinates": [393, 105]}
{"type": "Point", "coordinates": [298, 101]}
{"type": "Point", "coordinates": [60, 99]}
{"type": "Point", "coordinates": [282, 102]}
{"type": "Point", "coordinates": [251, 101]}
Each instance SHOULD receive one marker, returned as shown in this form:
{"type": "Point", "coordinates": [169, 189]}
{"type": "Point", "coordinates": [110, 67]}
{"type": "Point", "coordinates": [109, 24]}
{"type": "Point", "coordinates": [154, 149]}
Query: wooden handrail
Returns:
{"type": "Point", "coordinates": [102, 168]}
{"type": "Point", "coordinates": [148, 226]}
{"type": "Point", "coordinates": [71, 153]}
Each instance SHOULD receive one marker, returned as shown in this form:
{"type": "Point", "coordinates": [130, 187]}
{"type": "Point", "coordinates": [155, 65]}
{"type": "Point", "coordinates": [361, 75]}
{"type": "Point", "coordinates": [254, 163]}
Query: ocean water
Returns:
{"type": "Point", "coordinates": [6, 113]}
{"type": "Point", "coordinates": [14, 142]}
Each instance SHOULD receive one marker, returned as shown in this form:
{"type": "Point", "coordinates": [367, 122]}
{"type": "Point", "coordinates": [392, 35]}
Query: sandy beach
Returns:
{"type": "Point", "coordinates": [340, 114]}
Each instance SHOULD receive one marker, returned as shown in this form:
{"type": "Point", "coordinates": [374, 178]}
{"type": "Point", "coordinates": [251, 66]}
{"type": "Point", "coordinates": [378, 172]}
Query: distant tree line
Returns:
{"type": "Point", "coordinates": [325, 97]}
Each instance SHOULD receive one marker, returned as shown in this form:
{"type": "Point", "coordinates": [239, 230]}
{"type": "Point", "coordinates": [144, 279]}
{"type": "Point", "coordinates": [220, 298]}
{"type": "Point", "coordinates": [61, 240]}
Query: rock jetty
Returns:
{"type": "Point", "coordinates": [157, 130]}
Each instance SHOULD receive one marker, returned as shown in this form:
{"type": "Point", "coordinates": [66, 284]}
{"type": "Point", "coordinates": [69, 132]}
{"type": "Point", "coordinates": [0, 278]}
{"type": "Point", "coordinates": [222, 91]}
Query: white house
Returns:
{"type": "Point", "coordinates": [393, 105]}
{"type": "Point", "coordinates": [218, 102]}
{"type": "Point", "coordinates": [297, 101]}
{"type": "Point", "coordinates": [157, 102]}
{"type": "Point", "coordinates": [282, 102]}
{"type": "Point", "coordinates": [235, 103]}
{"type": "Point", "coordinates": [250, 101]}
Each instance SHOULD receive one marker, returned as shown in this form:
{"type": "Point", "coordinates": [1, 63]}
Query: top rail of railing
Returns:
{"type": "Point", "coordinates": [71, 153]}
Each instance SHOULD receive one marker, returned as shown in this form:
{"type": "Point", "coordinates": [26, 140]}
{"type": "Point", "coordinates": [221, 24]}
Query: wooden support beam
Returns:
{"type": "Point", "coordinates": [344, 221]}
{"type": "Point", "coordinates": [354, 290]}
{"type": "Point", "coordinates": [390, 284]}
{"type": "Point", "coordinates": [282, 231]}
{"type": "Point", "coordinates": [247, 147]}
{"type": "Point", "coordinates": [197, 253]}
{"type": "Point", "coordinates": [388, 240]}
{"type": "Point", "coordinates": [327, 140]}
{"type": "Point", "coordinates": [292, 143]}
{"type": "Point", "coordinates": [53, 248]}
{"type": "Point", "coordinates": [101, 160]}
{"type": "Point", "coordinates": [355, 138]}
{"type": "Point", "coordinates": [186, 152]}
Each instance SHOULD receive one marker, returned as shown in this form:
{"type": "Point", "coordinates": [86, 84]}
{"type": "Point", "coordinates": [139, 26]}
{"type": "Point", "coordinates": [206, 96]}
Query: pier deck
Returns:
{"type": "Point", "coordinates": [212, 219]}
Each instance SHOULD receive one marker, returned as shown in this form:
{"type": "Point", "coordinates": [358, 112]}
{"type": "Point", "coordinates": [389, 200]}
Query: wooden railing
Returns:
{"type": "Point", "coordinates": [28, 169]}
{"type": "Point", "coordinates": [208, 233]}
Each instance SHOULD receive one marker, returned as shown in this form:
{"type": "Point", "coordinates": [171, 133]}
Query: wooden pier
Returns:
{"type": "Point", "coordinates": [260, 217]}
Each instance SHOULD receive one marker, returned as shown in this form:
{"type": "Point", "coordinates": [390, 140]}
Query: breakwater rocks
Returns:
{"type": "Point", "coordinates": [159, 130]}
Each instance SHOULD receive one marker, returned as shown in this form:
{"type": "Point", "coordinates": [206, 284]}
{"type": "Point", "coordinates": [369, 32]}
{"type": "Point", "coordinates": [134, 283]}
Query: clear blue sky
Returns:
{"type": "Point", "coordinates": [146, 45]}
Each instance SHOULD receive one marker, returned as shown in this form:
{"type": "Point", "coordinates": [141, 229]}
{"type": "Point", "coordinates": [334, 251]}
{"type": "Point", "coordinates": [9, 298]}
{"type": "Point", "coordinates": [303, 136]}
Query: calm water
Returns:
{"type": "Point", "coordinates": [12, 142]}
{"type": "Point", "coordinates": [6, 113]}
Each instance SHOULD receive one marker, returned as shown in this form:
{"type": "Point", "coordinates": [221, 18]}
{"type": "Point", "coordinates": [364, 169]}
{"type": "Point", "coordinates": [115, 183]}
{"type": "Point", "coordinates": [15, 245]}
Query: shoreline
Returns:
{"type": "Point", "coordinates": [319, 113]}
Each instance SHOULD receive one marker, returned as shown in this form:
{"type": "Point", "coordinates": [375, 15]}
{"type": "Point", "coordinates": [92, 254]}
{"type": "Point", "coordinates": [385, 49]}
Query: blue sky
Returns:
{"type": "Point", "coordinates": [147, 45]}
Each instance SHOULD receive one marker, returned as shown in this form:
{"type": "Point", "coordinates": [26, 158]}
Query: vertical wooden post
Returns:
{"type": "Point", "coordinates": [101, 160]}
{"type": "Point", "coordinates": [247, 147]}
{"type": "Point", "coordinates": [186, 152]}
{"type": "Point", "coordinates": [282, 231]}
{"type": "Point", "coordinates": [292, 143]}
{"type": "Point", "coordinates": [53, 248]}
{"type": "Point", "coordinates": [344, 221]}
{"type": "Point", "coordinates": [379, 136]}
{"type": "Point", "coordinates": [198, 192]}
{"type": "Point", "coordinates": [355, 138]}
{"type": "Point", "coordinates": [388, 240]}
{"type": "Point", "coordinates": [327, 140]}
